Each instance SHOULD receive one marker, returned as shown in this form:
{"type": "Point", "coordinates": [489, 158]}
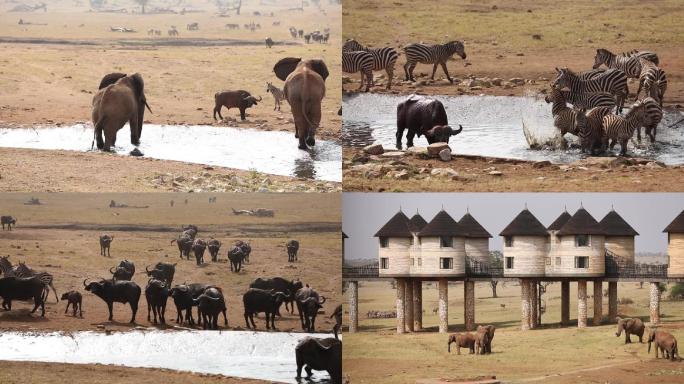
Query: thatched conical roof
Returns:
{"type": "Point", "coordinates": [677, 225]}
{"type": "Point", "coordinates": [417, 223]}
{"type": "Point", "coordinates": [525, 224]}
{"type": "Point", "coordinates": [397, 226]}
{"type": "Point", "coordinates": [472, 227]}
{"type": "Point", "coordinates": [581, 223]}
{"type": "Point", "coordinates": [560, 221]}
{"type": "Point", "coordinates": [614, 225]}
{"type": "Point", "coordinates": [442, 225]}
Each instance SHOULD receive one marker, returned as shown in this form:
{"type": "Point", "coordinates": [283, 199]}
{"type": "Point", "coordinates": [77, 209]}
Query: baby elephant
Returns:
{"type": "Point", "coordinates": [663, 341]}
{"type": "Point", "coordinates": [631, 327]}
{"type": "Point", "coordinates": [462, 340]}
{"type": "Point", "coordinates": [74, 299]}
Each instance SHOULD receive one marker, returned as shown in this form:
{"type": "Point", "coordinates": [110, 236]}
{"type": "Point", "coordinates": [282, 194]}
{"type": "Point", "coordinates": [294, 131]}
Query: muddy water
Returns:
{"type": "Point", "coordinates": [264, 151]}
{"type": "Point", "coordinates": [493, 126]}
{"type": "Point", "coordinates": [257, 355]}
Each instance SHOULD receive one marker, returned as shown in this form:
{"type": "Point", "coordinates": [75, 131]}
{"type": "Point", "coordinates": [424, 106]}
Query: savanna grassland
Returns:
{"type": "Point", "coordinates": [549, 354]}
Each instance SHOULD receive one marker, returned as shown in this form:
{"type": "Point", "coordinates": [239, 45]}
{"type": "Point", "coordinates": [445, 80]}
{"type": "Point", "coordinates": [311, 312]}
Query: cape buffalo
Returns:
{"type": "Point", "coordinates": [209, 305]}
{"type": "Point", "coordinates": [258, 300]}
{"type": "Point", "coordinates": [111, 292]}
{"type": "Point", "coordinates": [156, 294]}
{"type": "Point", "coordinates": [74, 299]}
{"type": "Point", "coordinates": [23, 288]}
{"type": "Point", "coordinates": [423, 115]}
{"type": "Point", "coordinates": [162, 271]}
{"type": "Point", "coordinates": [234, 99]}
{"type": "Point", "coordinates": [289, 287]}
{"type": "Point", "coordinates": [308, 304]}
{"type": "Point", "coordinates": [183, 296]}
{"type": "Point", "coordinates": [320, 355]}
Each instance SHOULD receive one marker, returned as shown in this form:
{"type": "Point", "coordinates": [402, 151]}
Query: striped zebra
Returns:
{"type": "Point", "coordinates": [613, 81]}
{"type": "Point", "coordinates": [22, 270]}
{"type": "Point", "coordinates": [277, 93]}
{"type": "Point", "coordinates": [650, 56]}
{"type": "Point", "coordinates": [591, 137]}
{"type": "Point", "coordinates": [359, 61]}
{"type": "Point", "coordinates": [621, 129]}
{"type": "Point", "coordinates": [589, 100]}
{"type": "Point", "coordinates": [431, 54]}
{"type": "Point", "coordinates": [384, 58]}
{"type": "Point", "coordinates": [630, 65]}
{"type": "Point", "coordinates": [653, 114]}
{"type": "Point", "coordinates": [653, 80]}
{"type": "Point", "coordinates": [566, 119]}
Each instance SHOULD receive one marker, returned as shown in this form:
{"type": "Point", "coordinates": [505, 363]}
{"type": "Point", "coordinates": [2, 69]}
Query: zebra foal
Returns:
{"type": "Point", "coordinates": [277, 93]}
{"type": "Point", "coordinates": [431, 54]}
{"type": "Point", "coordinates": [621, 129]}
{"type": "Point", "coordinates": [359, 61]}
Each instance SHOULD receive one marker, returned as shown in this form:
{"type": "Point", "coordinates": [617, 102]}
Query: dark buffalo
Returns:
{"type": "Point", "coordinates": [124, 271]}
{"type": "Point", "coordinates": [292, 248]}
{"type": "Point", "coordinates": [258, 300]}
{"type": "Point", "coordinates": [184, 245]}
{"type": "Point", "coordinates": [209, 305]}
{"type": "Point", "coordinates": [320, 355]}
{"type": "Point", "coordinates": [246, 249]}
{"type": "Point", "coordinates": [183, 296]}
{"type": "Point", "coordinates": [190, 230]}
{"type": "Point", "coordinates": [214, 246]}
{"type": "Point", "coordinates": [163, 272]}
{"type": "Point", "coordinates": [9, 221]}
{"type": "Point", "coordinates": [308, 303]}
{"type": "Point", "coordinates": [290, 287]}
{"type": "Point", "coordinates": [111, 292]}
{"type": "Point", "coordinates": [156, 294]}
{"type": "Point", "coordinates": [198, 248]}
{"type": "Point", "coordinates": [75, 299]}
{"type": "Point", "coordinates": [423, 115]}
{"type": "Point", "coordinates": [23, 288]}
{"type": "Point", "coordinates": [105, 244]}
{"type": "Point", "coordinates": [234, 99]}
{"type": "Point", "coordinates": [236, 256]}
{"type": "Point", "coordinates": [337, 314]}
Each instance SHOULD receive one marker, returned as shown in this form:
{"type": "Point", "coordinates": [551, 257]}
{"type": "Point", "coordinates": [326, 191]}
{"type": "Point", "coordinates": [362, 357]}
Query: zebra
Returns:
{"type": "Point", "coordinates": [269, 42]}
{"type": "Point", "coordinates": [630, 65]}
{"type": "Point", "coordinates": [359, 61]}
{"type": "Point", "coordinates": [653, 114]}
{"type": "Point", "coordinates": [591, 137]}
{"type": "Point", "coordinates": [6, 267]}
{"type": "Point", "coordinates": [566, 119]}
{"type": "Point", "coordinates": [650, 56]}
{"type": "Point", "coordinates": [621, 129]}
{"type": "Point", "coordinates": [589, 100]}
{"type": "Point", "coordinates": [277, 93]}
{"type": "Point", "coordinates": [653, 80]}
{"type": "Point", "coordinates": [383, 58]}
{"type": "Point", "coordinates": [431, 54]}
{"type": "Point", "coordinates": [613, 81]}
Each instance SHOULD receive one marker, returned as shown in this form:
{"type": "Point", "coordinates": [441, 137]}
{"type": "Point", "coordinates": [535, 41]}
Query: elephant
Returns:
{"type": "Point", "coordinates": [423, 115]}
{"type": "Point", "coordinates": [663, 341]}
{"type": "Point", "coordinates": [304, 90]}
{"type": "Point", "coordinates": [321, 355]}
{"type": "Point", "coordinates": [120, 99]}
{"type": "Point", "coordinates": [631, 327]}
{"type": "Point", "coordinates": [481, 340]}
{"type": "Point", "coordinates": [490, 336]}
{"type": "Point", "coordinates": [462, 340]}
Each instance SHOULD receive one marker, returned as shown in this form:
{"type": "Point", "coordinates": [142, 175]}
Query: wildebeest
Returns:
{"type": "Point", "coordinates": [214, 246]}
{"type": "Point", "coordinates": [156, 294]}
{"type": "Point", "coordinates": [289, 287]}
{"type": "Point", "coordinates": [105, 244]}
{"type": "Point", "coordinates": [162, 271]}
{"type": "Point", "coordinates": [209, 304]}
{"type": "Point", "coordinates": [184, 245]}
{"type": "Point", "coordinates": [198, 248]}
{"type": "Point", "coordinates": [9, 221]}
{"type": "Point", "coordinates": [183, 297]}
{"type": "Point", "coordinates": [239, 99]}
{"type": "Point", "coordinates": [75, 299]}
{"type": "Point", "coordinates": [124, 271]}
{"type": "Point", "coordinates": [258, 300]}
{"type": "Point", "coordinates": [111, 292]}
{"type": "Point", "coordinates": [292, 248]}
{"type": "Point", "coordinates": [337, 314]}
{"type": "Point", "coordinates": [423, 115]}
{"type": "Point", "coordinates": [308, 303]}
{"type": "Point", "coordinates": [23, 288]}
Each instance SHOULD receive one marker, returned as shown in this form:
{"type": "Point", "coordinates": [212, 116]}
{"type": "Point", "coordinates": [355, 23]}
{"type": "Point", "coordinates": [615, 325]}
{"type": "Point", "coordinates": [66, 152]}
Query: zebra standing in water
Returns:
{"type": "Point", "coordinates": [652, 79]}
{"type": "Point", "coordinates": [566, 119]}
{"type": "Point", "coordinates": [277, 93]}
{"type": "Point", "coordinates": [359, 61]}
{"type": "Point", "coordinates": [431, 54]}
{"type": "Point", "coordinates": [621, 129]}
{"type": "Point", "coordinates": [591, 137]}
{"type": "Point", "coordinates": [383, 58]}
{"type": "Point", "coordinates": [589, 100]}
{"type": "Point", "coordinates": [613, 81]}
{"type": "Point", "coordinates": [653, 114]}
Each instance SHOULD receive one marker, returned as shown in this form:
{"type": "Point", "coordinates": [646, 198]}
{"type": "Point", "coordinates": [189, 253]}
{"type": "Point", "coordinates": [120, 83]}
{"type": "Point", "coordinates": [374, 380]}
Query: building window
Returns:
{"type": "Point", "coordinates": [446, 241]}
{"type": "Point", "coordinates": [384, 263]}
{"type": "Point", "coordinates": [508, 240]}
{"type": "Point", "coordinates": [548, 261]}
{"type": "Point", "coordinates": [384, 242]}
{"type": "Point", "coordinates": [582, 262]}
{"type": "Point", "coordinates": [420, 262]}
{"type": "Point", "coordinates": [581, 240]}
{"type": "Point", "coordinates": [509, 263]}
{"type": "Point", "coordinates": [446, 263]}
{"type": "Point", "coordinates": [558, 261]}
{"type": "Point", "coordinates": [413, 261]}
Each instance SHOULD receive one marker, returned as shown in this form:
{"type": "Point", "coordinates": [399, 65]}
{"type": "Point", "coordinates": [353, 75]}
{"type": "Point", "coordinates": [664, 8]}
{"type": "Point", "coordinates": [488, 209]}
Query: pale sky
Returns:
{"type": "Point", "coordinates": [364, 213]}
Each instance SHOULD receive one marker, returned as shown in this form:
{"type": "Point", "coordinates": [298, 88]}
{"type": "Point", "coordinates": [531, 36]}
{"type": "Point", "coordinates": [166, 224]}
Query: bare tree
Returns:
{"type": "Point", "coordinates": [494, 283]}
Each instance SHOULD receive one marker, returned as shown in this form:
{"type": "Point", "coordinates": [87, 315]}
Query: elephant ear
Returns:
{"type": "Point", "coordinates": [319, 66]}
{"type": "Point", "coordinates": [285, 66]}
{"type": "Point", "coordinates": [110, 79]}
{"type": "Point", "coordinates": [138, 86]}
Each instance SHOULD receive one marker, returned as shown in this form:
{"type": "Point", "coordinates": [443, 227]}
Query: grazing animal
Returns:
{"type": "Point", "coordinates": [431, 54]}
{"type": "Point", "coordinates": [589, 100]}
{"type": "Point", "coordinates": [462, 340]}
{"type": "Point", "coordinates": [653, 114]}
{"type": "Point", "coordinates": [621, 129]}
{"type": "Point", "coordinates": [111, 292]}
{"type": "Point", "coordinates": [613, 81]}
{"type": "Point", "coordinates": [663, 341]}
{"type": "Point", "coordinates": [234, 99]}
{"type": "Point", "coordinates": [183, 297]}
{"type": "Point", "coordinates": [278, 95]}
{"type": "Point", "coordinates": [105, 244]}
{"type": "Point", "coordinates": [565, 119]}
{"type": "Point", "coordinates": [156, 294]}
{"type": "Point", "coordinates": [359, 61]}
{"type": "Point", "coordinates": [163, 272]}
{"type": "Point", "coordinates": [269, 42]}
{"type": "Point", "coordinates": [304, 90]}
{"type": "Point", "coordinates": [209, 304]}
{"type": "Point", "coordinates": [308, 303]}
{"type": "Point", "coordinates": [591, 137]}
{"type": "Point", "coordinates": [235, 257]}
{"type": "Point", "coordinates": [23, 288]}
{"type": "Point", "coordinates": [75, 299]}
{"type": "Point", "coordinates": [9, 221]}
{"type": "Point", "coordinates": [119, 100]}
{"type": "Point", "coordinates": [653, 80]}
{"type": "Point", "coordinates": [384, 58]}
{"type": "Point", "coordinates": [214, 246]}
{"type": "Point", "coordinates": [289, 287]}
{"type": "Point", "coordinates": [193, 26]}
{"type": "Point", "coordinates": [23, 270]}
{"type": "Point", "coordinates": [124, 271]}
{"type": "Point", "coordinates": [337, 314]}
{"type": "Point", "coordinates": [321, 355]}
{"type": "Point", "coordinates": [292, 248]}
{"type": "Point", "coordinates": [173, 32]}
{"type": "Point", "coordinates": [423, 115]}
{"type": "Point", "coordinates": [631, 326]}
{"type": "Point", "coordinates": [198, 248]}
{"type": "Point", "coordinates": [258, 300]}
{"type": "Point", "coordinates": [184, 243]}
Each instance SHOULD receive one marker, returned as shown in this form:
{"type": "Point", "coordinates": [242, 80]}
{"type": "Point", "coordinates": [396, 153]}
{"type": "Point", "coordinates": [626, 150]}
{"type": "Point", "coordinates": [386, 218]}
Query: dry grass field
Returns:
{"type": "Point", "coordinates": [61, 237]}
{"type": "Point", "coordinates": [550, 354]}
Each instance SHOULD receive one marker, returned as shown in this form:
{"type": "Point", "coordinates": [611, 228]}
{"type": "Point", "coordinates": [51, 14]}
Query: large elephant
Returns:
{"type": "Point", "coordinates": [304, 89]}
{"type": "Point", "coordinates": [423, 115]}
{"type": "Point", "coordinates": [490, 329]}
{"type": "Point", "coordinates": [119, 100]}
{"type": "Point", "coordinates": [320, 355]}
{"type": "Point", "coordinates": [462, 340]}
{"type": "Point", "coordinates": [630, 327]}
{"type": "Point", "coordinates": [481, 340]}
{"type": "Point", "coordinates": [663, 341]}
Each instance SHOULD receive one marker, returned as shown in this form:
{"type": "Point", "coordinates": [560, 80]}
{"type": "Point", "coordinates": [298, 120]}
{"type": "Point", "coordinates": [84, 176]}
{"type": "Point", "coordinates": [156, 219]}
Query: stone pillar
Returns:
{"type": "Point", "coordinates": [565, 303]}
{"type": "Point", "coordinates": [443, 306]}
{"type": "Point", "coordinates": [401, 294]}
{"type": "Point", "coordinates": [534, 299]}
{"type": "Point", "coordinates": [655, 304]}
{"type": "Point", "coordinates": [582, 304]}
{"type": "Point", "coordinates": [409, 305]}
{"type": "Point", "coordinates": [525, 309]}
{"type": "Point", "coordinates": [469, 305]}
{"type": "Point", "coordinates": [417, 305]}
{"type": "Point", "coordinates": [353, 306]}
{"type": "Point", "coordinates": [598, 302]}
{"type": "Point", "coordinates": [612, 300]}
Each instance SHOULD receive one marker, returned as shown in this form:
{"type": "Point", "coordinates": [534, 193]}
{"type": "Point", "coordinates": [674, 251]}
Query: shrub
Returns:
{"type": "Point", "coordinates": [677, 291]}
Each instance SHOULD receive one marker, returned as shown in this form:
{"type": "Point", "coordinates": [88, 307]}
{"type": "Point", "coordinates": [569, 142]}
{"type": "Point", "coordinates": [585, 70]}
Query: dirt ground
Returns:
{"type": "Point", "coordinates": [61, 237]}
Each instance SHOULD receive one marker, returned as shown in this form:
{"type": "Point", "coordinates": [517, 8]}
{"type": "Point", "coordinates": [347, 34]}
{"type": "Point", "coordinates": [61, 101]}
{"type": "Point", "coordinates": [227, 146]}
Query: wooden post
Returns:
{"type": "Point", "coordinates": [401, 287]}
{"type": "Point", "coordinates": [417, 305]}
{"type": "Point", "coordinates": [353, 306]}
{"type": "Point", "coordinates": [443, 306]}
{"type": "Point", "coordinates": [409, 304]}
{"type": "Point", "coordinates": [525, 305]}
{"type": "Point", "coordinates": [655, 304]}
{"type": "Point", "coordinates": [565, 303]}
{"type": "Point", "coordinates": [598, 302]}
{"type": "Point", "coordinates": [612, 300]}
{"type": "Point", "coordinates": [469, 305]}
{"type": "Point", "coordinates": [582, 304]}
